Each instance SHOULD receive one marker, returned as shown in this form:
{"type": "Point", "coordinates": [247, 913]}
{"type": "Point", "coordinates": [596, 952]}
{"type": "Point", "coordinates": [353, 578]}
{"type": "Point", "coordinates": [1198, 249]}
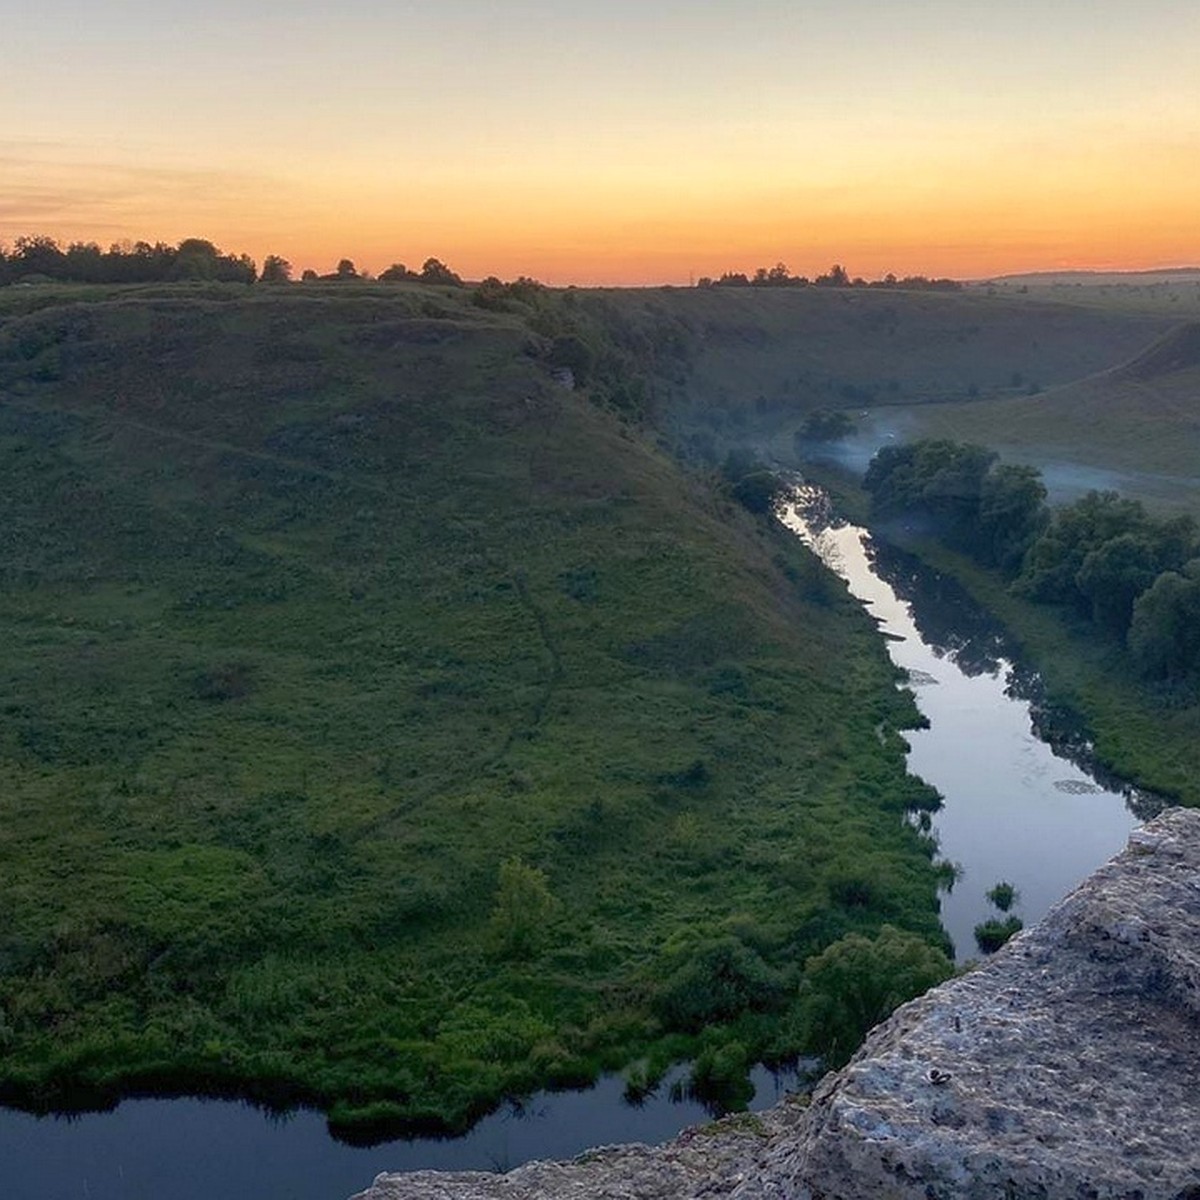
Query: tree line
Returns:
{"type": "Point", "coordinates": [1105, 559]}
{"type": "Point", "coordinates": [41, 259]}
{"type": "Point", "coordinates": [837, 276]}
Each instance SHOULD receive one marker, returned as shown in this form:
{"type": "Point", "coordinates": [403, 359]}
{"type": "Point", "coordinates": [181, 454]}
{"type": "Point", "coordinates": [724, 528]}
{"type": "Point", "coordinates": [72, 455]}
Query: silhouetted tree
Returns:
{"type": "Point", "coordinates": [435, 271]}
{"type": "Point", "coordinates": [275, 270]}
{"type": "Point", "coordinates": [836, 277]}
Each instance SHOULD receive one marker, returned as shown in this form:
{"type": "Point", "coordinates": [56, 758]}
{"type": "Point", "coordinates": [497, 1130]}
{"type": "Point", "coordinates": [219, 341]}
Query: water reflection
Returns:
{"type": "Point", "coordinates": [1024, 801]}
{"type": "Point", "coordinates": [192, 1149]}
{"type": "Point", "coordinates": [955, 627]}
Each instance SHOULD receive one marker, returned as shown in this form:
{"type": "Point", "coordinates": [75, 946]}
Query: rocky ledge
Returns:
{"type": "Point", "coordinates": [1066, 1067]}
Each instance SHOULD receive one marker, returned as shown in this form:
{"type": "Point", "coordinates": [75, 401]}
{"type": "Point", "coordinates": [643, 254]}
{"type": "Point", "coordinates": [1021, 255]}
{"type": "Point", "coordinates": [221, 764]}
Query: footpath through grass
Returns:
{"type": "Point", "coordinates": [387, 725]}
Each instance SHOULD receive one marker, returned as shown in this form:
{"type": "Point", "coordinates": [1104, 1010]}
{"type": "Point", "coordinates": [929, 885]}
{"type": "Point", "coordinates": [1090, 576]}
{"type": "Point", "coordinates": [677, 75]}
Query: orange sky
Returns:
{"type": "Point", "coordinates": [615, 143]}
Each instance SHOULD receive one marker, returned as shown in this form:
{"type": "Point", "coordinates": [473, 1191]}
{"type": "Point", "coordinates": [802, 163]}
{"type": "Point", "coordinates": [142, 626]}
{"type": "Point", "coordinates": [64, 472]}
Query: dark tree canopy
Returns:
{"type": "Point", "coordinates": [433, 270]}
{"type": "Point", "coordinates": [39, 258]}
{"type": "Point", "coordinates": [275, 270]}
{"type": "Point", "coordinates": [1133, 576]}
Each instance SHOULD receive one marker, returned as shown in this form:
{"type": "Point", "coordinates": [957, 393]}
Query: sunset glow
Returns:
{"type": "Point", "coordinates": [613, 143]}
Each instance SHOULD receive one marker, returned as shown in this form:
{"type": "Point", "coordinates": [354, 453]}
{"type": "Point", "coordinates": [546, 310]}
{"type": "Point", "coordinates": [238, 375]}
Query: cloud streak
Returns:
{"type": "Point", "coordinates": [48, 190]}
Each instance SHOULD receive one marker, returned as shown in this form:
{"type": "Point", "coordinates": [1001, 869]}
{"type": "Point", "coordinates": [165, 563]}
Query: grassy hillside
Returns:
{"type": "Point", "coordinates": [389, 725]}
{"type": "Point", "coordinates": [1174, 294]}
{"type": "Point", "coordinates": [758, 357]}
{"type": "Point", "coordinates": [1135, 428]}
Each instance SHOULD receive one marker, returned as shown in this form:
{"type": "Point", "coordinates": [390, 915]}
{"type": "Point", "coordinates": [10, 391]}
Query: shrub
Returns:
{"type": "Point", "coordinates": [991, 935]}
{"type": "Point", "coordinates": [854, 984]}
{"type": "Point", "coordinates": [522, 910]}
{"type": "Point", "coordinates": [720, 1077]}
{"type": "Point", "coordinates": [1003, 896]}
{"type": "Point", "coordinates": [718, 984]}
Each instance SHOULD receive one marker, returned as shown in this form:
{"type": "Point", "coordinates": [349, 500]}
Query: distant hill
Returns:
{"type": "Point", "coordinates": [754, 360]}
{"type": "Point", "coordinates": [1110, 278]}
{"type": "Point", "coordinates": [1178, 350]}
{"type": "Point", "coordinates": [1134, 428]}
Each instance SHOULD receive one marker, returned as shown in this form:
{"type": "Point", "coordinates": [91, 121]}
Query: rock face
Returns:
{"type": "Point", "coordinates": [1066, 1067]}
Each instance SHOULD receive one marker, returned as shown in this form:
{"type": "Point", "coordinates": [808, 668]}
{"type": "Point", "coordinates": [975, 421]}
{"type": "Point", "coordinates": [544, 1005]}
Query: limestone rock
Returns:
{"type": "Point", "coordinates": [709, 1160]}
{"type": "Point", "coordinates": [1065, 1067]}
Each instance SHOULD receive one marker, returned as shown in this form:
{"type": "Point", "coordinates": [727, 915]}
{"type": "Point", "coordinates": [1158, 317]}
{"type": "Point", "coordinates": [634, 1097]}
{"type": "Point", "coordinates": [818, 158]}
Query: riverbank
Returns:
{"type": "Point", "coordinates": [1016, 807]}
{"type": "Point", "coordinates": [1150, 739]}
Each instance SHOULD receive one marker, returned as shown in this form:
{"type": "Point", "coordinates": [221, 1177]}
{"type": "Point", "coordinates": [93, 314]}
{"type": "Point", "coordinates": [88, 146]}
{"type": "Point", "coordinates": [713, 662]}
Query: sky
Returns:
{"type": "Point", "coordinates": [612, 141]}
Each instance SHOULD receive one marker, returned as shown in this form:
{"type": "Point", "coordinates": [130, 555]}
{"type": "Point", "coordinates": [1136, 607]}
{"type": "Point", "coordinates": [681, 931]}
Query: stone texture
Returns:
{"type": "Point", "coordinates": [709, 1160]}
{"type": "Point", "coordinates": [1067, 1067]}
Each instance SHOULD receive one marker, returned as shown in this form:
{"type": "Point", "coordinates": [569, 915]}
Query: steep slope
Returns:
{"type": "Point", "coordinates": [388, 725]}
{"type": "Point", "coordinates": [1063, 1067]}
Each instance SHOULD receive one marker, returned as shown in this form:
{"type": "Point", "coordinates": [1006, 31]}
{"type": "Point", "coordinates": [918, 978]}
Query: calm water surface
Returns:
{"type": "Point", "coordinates": [222, 1150]}
{"type": "Point", "coordinates": [1015, 809]}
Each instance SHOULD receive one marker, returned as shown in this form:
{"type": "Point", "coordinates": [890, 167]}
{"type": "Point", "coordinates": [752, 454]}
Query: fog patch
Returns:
{"type": "Point", "coordinates": [1066, 481]}
{"type": "Point", "coordinates": [854, 453]}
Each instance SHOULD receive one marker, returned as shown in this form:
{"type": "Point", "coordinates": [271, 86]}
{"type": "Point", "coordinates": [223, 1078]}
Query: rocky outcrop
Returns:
{"type": "Point", "coordinates": [1067, 1066]}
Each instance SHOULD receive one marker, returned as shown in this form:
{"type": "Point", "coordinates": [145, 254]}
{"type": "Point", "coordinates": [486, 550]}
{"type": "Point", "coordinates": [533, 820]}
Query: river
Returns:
{"type": "Point", "coordinates": [1015, 810]}
{"type": "Point", "coordinates": [191, 1149]}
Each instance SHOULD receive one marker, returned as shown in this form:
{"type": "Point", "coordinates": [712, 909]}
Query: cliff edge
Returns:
{"type": "Point", "coordinates": [1066, 1066]}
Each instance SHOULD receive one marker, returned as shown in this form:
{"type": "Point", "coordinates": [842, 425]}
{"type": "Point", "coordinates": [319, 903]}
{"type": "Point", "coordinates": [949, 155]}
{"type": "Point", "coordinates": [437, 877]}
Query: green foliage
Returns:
{"type": "Point", "coordinates": [752, 485]}
{"type": "Point", "coordinates": [1103, 552]}
{"type": "Point", "coordinates": [991, 935]}
{"type": "Point", "coordinates": [522, 910]}
{"type": "Point", "coordinates": [759, 491]}
{"type": "Point", "coordinates": [1164, 633]}
{"type": "Point", "coordinates": [993, 511]}
{"type": "Point", "coordinates": [855, 983]}
{"type": "Point", "coordinates": [720, 1077]}
{"type": "Point", "coordinates": [1012, 513]}
{"type": "Point", "coordinates": [940, 479]}
{"type": "Point", "coordinates": [1098, 556]}
{"type": "Point", "coordinates": [717, 984]}
{"type": "Point", "coordinates": [343, 607]}
{"type": "Point", "coordinates": [1003, 895]}
{"type": "Point", "coordinates": [825, 425]}
{"type": "Point", "coordinates": [573, 353]}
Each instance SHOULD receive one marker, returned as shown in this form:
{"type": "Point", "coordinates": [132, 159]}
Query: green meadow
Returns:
{"type": "Point", "coordinates": [389, 724]}
{"type": "Point", "coordinates": [401, 712]}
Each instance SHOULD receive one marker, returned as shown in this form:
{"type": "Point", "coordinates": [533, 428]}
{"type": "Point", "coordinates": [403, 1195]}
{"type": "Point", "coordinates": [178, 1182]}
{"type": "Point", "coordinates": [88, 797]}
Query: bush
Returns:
{"type": "Point", "coordinates": [759, 491]}
{"type": "Point", "coordinates": [854, 984]}
{"type": "Point", "coordinates": [719, 984]}
{"type": "Point", "coordinates": [825, 425]}
{"type": "Point", "coordinates": [522, 910]}
{"type": "Point", "coordinates": [720, 1077]}
{"type": "Point", "coordinates": [991, 935]}
{"type": "Point", "coordinates": [1003, 896]}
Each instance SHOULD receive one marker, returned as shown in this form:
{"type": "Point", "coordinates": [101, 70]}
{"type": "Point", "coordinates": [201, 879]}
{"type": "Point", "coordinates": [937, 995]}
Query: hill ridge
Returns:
{"type": "Point", "coordinates": [1177, 350]}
